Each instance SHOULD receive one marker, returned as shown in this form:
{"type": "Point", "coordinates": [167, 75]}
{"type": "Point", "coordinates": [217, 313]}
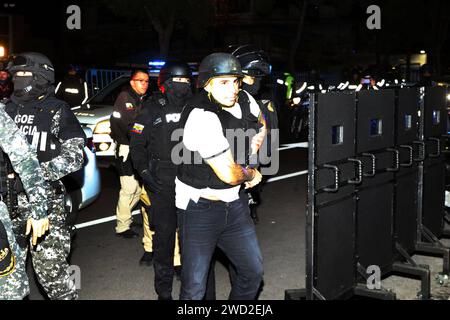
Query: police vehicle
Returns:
{"type": "Point", "coordinates": [83, 186]}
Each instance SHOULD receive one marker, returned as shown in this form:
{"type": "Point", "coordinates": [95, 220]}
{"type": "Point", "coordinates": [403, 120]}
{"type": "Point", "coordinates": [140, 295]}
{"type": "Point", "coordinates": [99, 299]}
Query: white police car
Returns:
{"type": "Point", "coordinates": [83, 186]}
{"type": "Point", "coordinates": [95, 114]}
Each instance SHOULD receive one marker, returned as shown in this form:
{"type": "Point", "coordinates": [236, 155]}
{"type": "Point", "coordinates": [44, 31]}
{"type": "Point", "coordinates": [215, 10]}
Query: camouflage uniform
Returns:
{"type": "Point", "coordinates": [55, 133]}
{"type": "Point", "coordinates": [50, 256]}
{"type": "Point", "coordinates": [14, 283]}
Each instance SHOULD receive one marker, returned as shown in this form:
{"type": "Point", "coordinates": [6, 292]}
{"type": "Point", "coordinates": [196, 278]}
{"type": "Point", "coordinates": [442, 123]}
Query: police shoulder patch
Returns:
{"type": "Point", "coordinates": [138, 128]}
{"type": "Point", "coordinates": [129, 106]}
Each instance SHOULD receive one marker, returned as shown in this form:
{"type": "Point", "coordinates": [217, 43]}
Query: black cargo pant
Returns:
{"type": "Point", "coordinates": [163, 220]}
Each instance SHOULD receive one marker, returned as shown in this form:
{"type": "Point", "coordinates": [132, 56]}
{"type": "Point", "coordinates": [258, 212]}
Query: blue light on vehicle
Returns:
{"type": "Point", "coordinates": [156, 63]}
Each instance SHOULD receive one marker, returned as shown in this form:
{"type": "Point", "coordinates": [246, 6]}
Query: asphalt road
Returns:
{"type": "Point", "coordinates": [109, 265]}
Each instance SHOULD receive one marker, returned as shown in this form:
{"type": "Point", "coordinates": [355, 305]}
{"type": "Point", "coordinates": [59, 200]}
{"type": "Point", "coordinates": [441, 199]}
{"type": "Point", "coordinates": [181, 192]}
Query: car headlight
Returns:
{"type": "Point", "coordinates": [103, 127]}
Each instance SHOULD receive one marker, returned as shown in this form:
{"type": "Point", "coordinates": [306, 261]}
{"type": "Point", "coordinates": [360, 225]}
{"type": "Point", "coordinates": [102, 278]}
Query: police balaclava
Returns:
{"type": "Point", "coordinates": [39, 83]}
{"type": "Point", "coordinates": [28, 88]}
{"type": "Point", "coordinates": [254, 88]}
{"type": "Point", "coordinates": [177, 92]}
{"type": "Point", "coordinates": [7, 258]}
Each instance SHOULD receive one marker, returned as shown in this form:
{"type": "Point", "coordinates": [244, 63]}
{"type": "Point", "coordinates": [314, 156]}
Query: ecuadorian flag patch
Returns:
{"type": "Point", "coordinates": [137, 128]}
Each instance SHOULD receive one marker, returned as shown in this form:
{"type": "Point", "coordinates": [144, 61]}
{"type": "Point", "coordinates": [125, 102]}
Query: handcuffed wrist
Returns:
{"type": "Point", "coordinates": [249, 173]}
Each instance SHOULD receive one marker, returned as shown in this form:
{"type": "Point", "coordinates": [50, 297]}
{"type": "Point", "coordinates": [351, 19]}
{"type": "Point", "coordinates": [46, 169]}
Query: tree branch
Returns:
{"type": "Point", "coordinates": [154, 20]}
{"type": "Point", "coordinates": [298, 37]}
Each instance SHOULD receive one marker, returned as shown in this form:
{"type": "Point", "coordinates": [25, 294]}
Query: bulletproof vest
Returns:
{"type": "Point", "coordinates": [202, 175]}
{"type": "Point", "coordinates": [7, 258]}
{"type": "Point", "coordinates": [166, 119]}
{"type": "Point", "coordinates": [35, 121]}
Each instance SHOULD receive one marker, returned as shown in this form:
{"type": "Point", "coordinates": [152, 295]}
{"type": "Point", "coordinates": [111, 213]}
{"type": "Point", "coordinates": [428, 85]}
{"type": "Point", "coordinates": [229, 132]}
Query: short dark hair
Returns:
{"type": "Point", "coordinates": [136, 71]}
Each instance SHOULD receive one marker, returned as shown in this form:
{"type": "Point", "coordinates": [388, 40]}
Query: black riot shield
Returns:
{"type": "Point", "coordinates": [331, 206]}
{"type": "Point", "coordinates": [375, 145]}
{"type": "Point", "coordinates": [406, 195]}
{"type": "Point", "coordinates": [434, 127]}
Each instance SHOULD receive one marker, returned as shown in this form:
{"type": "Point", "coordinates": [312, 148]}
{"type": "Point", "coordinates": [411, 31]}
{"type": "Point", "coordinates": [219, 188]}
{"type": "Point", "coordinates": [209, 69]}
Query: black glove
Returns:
{"type": "Point", "coordinates": [152, 183]}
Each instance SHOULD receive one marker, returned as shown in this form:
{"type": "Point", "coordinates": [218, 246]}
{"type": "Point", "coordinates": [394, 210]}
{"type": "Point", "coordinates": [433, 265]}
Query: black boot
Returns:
{"type": "Point", "coordinates": [177, 271]}
{"type": "Point", "coordinates": [127, 234]}
{"type": "Point", "coordinates": [146, 259]}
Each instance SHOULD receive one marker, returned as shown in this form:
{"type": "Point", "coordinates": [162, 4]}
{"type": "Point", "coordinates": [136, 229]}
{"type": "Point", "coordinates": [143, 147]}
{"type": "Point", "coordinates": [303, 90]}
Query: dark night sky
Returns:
{"type": "Point", "coordinates": [115, 38]}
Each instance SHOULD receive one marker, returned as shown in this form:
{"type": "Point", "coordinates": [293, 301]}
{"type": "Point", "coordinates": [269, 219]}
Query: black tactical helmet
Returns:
{"type": "Point", "coordinates": [33, 62]}
{"type": "Point", "coordinates": [254, 62]}
{"type": "Point", "coordinates": [216, 65]}
{"type": "Point", "coordinates": [174, 70]}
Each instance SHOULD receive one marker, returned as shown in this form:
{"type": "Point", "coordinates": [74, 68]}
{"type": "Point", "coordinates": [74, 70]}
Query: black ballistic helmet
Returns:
{"type": "Point", "coordinates": [174, 70]}
{"type": "Point", "coordinates": [33, 62]}
{"type": "Point", "coordinates": [254, 62]}
{"type": "Point", "coordinates": [216, 65]}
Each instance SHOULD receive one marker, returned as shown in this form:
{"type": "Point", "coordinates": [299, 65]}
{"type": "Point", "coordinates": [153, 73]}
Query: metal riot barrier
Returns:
{"type": "Point", "coordinates": [375, 190]}
{"type": "Point", "coordinates": [97, 79]}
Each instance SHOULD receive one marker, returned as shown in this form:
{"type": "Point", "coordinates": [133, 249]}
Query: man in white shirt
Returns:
{"type": "Point", "coordinates": [211, 211]}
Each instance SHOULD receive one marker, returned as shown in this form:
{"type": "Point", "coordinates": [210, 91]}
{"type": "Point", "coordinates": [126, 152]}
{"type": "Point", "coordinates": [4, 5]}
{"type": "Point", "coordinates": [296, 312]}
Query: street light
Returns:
{"type": "Point", "coordinates": [2, 51]}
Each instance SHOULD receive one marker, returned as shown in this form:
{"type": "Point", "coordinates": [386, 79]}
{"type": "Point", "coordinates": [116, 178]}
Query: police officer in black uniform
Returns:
{"type": "Point", "coordinates": [72, 89]}
{"type": "Point", "coordinates": [151, 147]}
{"type": "Point", "coordinates": [256, 68]}
{"type": "Point", "coordinates": [126, 107]}
{"type": "Point", "coordinates": [56, 135]}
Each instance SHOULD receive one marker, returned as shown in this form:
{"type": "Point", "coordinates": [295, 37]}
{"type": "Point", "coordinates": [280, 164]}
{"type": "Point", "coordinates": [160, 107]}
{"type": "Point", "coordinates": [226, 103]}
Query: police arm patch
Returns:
{"type": "Point", "coordinates": [116, 115]}
{"type": "Point", "coordinates": [138, 128]}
